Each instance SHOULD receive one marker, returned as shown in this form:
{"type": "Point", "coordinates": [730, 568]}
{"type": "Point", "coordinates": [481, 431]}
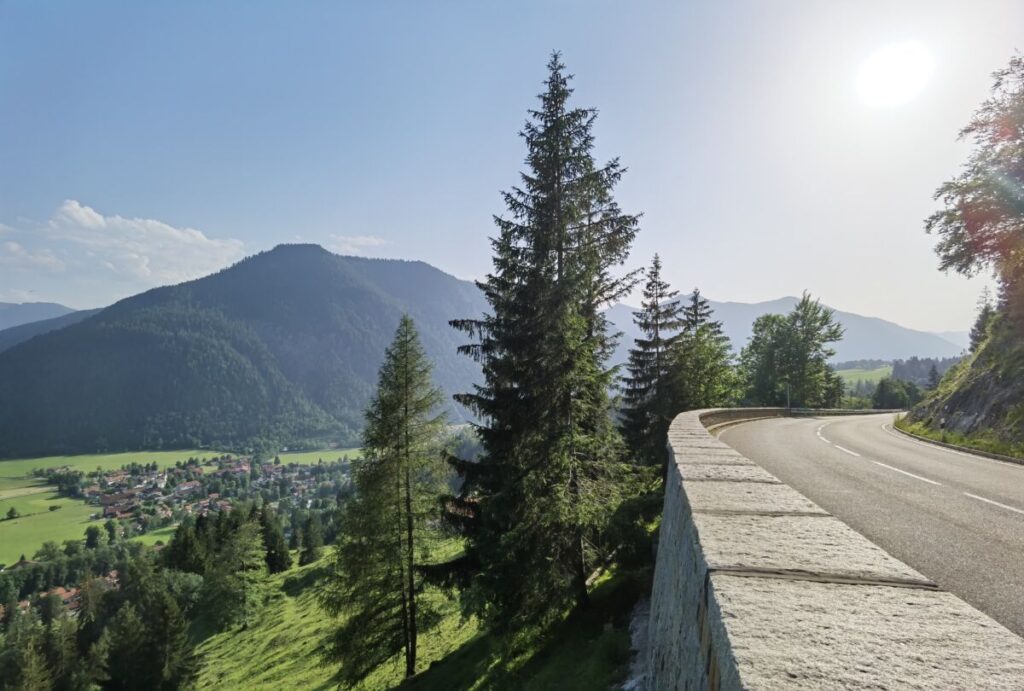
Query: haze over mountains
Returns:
{"type": "Point", "coordinates": [865, 338]}
{"type": "Point", "coordinates": [280, 348]}
{"type": "Point", "coordinates": [14, 314]}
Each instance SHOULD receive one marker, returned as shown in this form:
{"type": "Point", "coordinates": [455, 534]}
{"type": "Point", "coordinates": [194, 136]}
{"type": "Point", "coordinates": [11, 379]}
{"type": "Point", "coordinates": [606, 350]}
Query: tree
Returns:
{"type": "Point", "coordinates": [986, 312]}
{"type": "Point", "coordinates": [123, 639]}
{"type": "Point", "coordinates": [786, 360]}
{"type": "Point", "coordinates": [981, 224]}
{"type": "Point", "coordinates": [93, 537]}
{"type": "Point", "coordinates": [233, 573]}
{"type": "Point", "coordinates": [933, 377]}
{"type": "Point", "coordinates": [893, 393]}
{"type": "Point", "coordinates": [278, 557]}
{"type": "Point", "coordinates": [312, 540]}
{"type": "Point", "coordinates": [12, 513]}
{"type": "Point", "coordinates": [390, 525]}
{"type": "Point", "coordinates": [701, 359]}
{"type": "Point", "coordinates": [536, 505]}
{"type": "Point", "coordinates": [648, 402]}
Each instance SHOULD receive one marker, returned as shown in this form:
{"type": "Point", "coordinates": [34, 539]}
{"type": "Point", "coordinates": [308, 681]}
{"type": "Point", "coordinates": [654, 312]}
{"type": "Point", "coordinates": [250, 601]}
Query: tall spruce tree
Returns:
{"type": "Point", "coordinates": [390, 525]}
{"type": "Point", "coordinates": [701, 359]}
{"type": "Point", "coordinates": [649, 405]}
{"type": "Point", "coordinates": [536, 505]}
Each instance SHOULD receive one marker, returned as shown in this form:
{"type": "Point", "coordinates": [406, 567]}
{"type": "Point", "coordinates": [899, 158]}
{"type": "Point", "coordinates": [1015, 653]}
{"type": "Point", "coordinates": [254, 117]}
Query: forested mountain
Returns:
{"type": "Point", "coordinates": [14, 314]}
{"type": "Point", "coordinates": [282, 347]}
{"type": "Point", "coordinates": [14, 335]}
{"type": "Point", "coordinates": [864, 338]}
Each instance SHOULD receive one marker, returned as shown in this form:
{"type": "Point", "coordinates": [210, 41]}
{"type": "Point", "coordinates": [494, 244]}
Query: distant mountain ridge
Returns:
{"type": "Point", "coordinates": [866, 338]}
{"type": "Point", "coordinates": [282, 347]}
{"type": "Point", "coordinates": [16, 314]}
{"type": "Point", "coordinates": [14, 335]}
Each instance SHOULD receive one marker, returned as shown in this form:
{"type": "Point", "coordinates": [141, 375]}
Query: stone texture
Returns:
{"type": "Point", "coordinates": [802, 543]}
{"type": "Point", "coordinates": [728, 472]}
{"type": "Point", "coordinates": [825, 636]}
{"type": "Point", "coordinates": [735, 496]}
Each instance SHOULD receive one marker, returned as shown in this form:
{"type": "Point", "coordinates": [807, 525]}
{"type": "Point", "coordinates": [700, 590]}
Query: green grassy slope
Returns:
{"type": "Point", "coordinates": [981, 399]}
{"type": "Point", "coordinates": [281, 648]}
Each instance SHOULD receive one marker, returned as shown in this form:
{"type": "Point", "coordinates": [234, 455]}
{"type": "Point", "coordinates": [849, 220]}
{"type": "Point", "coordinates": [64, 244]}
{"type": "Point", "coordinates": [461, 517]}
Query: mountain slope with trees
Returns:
{"type": "Point", "coordinates": [279, 348]}
{"type": "Point", "coordinates": [980, 228]}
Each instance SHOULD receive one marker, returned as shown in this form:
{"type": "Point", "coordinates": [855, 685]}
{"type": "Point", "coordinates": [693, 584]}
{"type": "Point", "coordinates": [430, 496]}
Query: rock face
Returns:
{"type": "Point", "coordinates": [983, 396]}
{"type": "Point", "coordinates": [757, 587]}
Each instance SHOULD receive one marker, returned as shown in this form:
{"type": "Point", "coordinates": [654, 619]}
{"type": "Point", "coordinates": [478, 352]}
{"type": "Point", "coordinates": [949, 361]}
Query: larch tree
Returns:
{"type": "Point", "coordinates": [390, 527]}
{"type": "Point", "coordinates": [536, 505]}
{"type": "Point", "coordinates": [649, 405]}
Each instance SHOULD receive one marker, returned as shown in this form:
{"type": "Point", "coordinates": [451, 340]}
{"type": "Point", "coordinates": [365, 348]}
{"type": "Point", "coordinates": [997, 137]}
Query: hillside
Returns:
{"type": "Point", "coordinates": [14, 335]}
{"type": "Point", "coordinates": [865, 338]}
{"type": "Point", "coordinates": [15, 314]}
{"type": "Point", "coordinates": [282, 347]}
{"type": "Point", "coordinates": [981, 400]}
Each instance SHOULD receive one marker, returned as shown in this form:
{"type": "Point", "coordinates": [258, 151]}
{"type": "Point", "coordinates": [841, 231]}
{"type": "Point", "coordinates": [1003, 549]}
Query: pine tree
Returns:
{"type": "Point", "coordinates": [535, 507]}
{"type": "Point", "coordinates": [278, 557]}
{"type": "Point", "coordinates": [648, 403]}
{"type": "Point", "coordinates": [986, 312]}
{"type": "Point", "coordinates": [123, 639]}
{"type": "Point", "coordinates": [312, 540]}
{"type": "Point", "coordinates": [390, 525]}
{"type": "Point", "coordinates": [933, 377]}
{"type": "Point", "coordinates": [701, 359]}
{"type": "Point", "coordinates": [234, 572]}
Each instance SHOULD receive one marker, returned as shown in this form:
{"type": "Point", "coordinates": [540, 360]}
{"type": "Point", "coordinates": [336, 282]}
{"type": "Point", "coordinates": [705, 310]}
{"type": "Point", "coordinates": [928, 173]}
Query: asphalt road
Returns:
{"type": "Point", "coordinates": [955, 517]}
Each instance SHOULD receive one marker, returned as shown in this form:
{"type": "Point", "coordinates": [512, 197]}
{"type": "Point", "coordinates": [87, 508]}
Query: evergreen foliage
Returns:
{"type": "Point", "coordinates": [391, 524]}
{"type": "Point", "coordinates": [280, 349]}
{"type": "Point", "coordinates": [649, 405]}
{"type": "Point", "coordinates": [536, 505]}
{"type": "Point", "coordinates": [702, 371]}
{"type": "Point", "coordinates": [312, 540]}
{"type": "Point", "coordinates": [278, 557]}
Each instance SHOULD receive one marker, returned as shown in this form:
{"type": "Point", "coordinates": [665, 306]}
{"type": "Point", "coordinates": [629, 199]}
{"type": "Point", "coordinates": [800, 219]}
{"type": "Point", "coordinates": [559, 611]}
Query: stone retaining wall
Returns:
{"type": "Point", "coordinates": [758, 587]}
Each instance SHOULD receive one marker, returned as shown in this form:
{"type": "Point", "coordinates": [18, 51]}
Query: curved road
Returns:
{"type": "Point", "coordinates": [955, 517]}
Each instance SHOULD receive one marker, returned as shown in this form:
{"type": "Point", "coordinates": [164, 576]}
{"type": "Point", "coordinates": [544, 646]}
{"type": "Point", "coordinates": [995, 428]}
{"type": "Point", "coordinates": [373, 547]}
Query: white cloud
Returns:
{"type": "Point", "coordinates": [149, 251]}
{"type": "Point", "coordinates": [15, 255]}
{"type": "Point", "coordinates": [353, 244]}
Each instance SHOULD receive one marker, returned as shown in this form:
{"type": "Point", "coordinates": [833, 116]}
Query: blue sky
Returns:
{"type": "Point", "coordinates": [146, 143]}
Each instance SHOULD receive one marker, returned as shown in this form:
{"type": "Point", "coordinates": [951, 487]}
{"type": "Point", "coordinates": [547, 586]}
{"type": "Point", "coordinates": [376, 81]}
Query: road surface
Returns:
{"type": "Point", "coordinates": [955, 517]}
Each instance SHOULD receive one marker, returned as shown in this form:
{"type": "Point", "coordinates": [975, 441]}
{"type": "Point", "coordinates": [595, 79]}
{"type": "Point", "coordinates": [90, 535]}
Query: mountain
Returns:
{"type": "Point", "coordinates": [962, 339]}
{"type": "Point", "coordinates": [15, 314]}
{"type": "Point", "coordinates": [14, 335]}
{"type": "Point", "coordinates": [865, 338]}
{"type": "Point", "coordinates": [280, 348]}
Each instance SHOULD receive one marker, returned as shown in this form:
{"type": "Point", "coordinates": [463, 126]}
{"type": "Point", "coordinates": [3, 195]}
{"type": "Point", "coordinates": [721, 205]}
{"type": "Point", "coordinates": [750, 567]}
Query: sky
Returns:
{"type": "Point", "coordinates": [769, 146]}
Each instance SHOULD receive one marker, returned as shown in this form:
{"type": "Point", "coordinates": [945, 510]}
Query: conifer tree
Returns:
{"type": "Point", "coordinates": [536, 505]}
{"type": "Point", "coordinates": [702, 373]}
{"type": "Point", "coordinates": [233, 573]}
{"type": "Point", "coordinates": [391, 523]}
{"type": "Point", "coordinates": [278, 557]}
{"type": "Point", "coordinates": [312, 540]}
{"type": "Point", "coordinates": [648, 402]}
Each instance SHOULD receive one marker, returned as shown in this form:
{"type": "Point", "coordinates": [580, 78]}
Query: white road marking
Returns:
{"type": "Point", "coordinates": [887, 427]}
{"type": "Point", "coordinates": [916, 477]}
{"type": "Point", "coordinates": [994, 503]}
{"type": "Point", "coordinates": [852, 453]}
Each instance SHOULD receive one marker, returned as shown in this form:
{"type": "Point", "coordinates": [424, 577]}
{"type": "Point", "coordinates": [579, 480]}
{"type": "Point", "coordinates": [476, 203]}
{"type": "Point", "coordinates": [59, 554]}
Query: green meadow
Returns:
{"type": "Point", "coordinates": [37, 523]}
{"type": "Point", "coordinates": [313, 457]}
{"type": "Point", "coordinates": [852, 376]}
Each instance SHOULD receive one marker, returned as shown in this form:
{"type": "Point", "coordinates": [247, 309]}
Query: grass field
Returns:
{"type": "Point", "coordinates": [37, 524]}
{"type": "Point", "coordinates": [163, 535]}
{"type": "Point", "coordinates": [281, 648]}
{"type": "Point", "coordinates": [851, 376]}
{"type": "Point", "coordinates": [313, 457]}
{"type": "Point", "coordinates": [21, 467]}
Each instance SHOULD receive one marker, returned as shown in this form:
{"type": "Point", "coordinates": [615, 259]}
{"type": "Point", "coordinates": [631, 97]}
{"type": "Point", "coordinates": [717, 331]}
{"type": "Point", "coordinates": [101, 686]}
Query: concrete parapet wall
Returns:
{"type": "Point", "coordinates": [757, 587]}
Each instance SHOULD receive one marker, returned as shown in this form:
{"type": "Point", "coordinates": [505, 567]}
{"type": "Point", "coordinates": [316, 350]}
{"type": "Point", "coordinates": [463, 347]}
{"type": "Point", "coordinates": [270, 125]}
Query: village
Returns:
{"type": "Point", "coordinates": [138, 499]}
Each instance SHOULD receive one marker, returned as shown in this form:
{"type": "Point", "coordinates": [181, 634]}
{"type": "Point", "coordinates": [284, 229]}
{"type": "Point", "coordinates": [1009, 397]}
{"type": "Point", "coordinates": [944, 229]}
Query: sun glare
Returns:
{"type": "Point", "coordinates": [894, 74]}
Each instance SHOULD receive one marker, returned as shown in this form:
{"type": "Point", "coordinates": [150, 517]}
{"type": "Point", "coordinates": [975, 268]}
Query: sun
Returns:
{"type": "Point", "coordinates": [894, 74]}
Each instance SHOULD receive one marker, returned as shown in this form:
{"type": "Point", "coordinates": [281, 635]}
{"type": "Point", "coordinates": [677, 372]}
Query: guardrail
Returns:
{"type": "Point", "coordinates": [756, 586]}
